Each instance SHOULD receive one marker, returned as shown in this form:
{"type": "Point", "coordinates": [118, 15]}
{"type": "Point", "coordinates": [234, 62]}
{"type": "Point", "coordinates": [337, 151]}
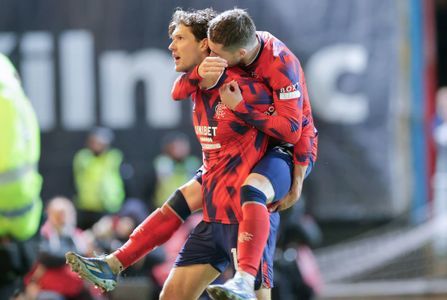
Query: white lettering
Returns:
{"type": "Point", "coordinates": [206, 139]}
{"type": "Point", "coordinates": [7, 42]}
{"type": "Point", "coordinates": [37, 73]}
{"type": "Point", "coordinates": [323, 70]}
{"type": "Point", "coordinates": [206, 130]}
{"type": "Point", "coordinates": [77, 74]}
{"type": "Point", "coordinates": [120, 72]}
{"type": "Point", "coordinates": [211, 146]}
{"type": "Point", "coordinates": [289, 95]}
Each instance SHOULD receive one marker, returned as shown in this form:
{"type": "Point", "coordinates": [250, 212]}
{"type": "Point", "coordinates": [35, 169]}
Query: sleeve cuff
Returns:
{"type": "Point", "coordinates": [218, 82]}
{"type": "Point", "coordinates": [195, 74]}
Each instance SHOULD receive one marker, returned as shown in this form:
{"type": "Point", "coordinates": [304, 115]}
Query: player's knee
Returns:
{"type": "Point", "coordinates": [257, 180]}
{"type": "Point", "coordinates": [249, 193]}
{"type": "Point", "coordinates": [261, 183]}
{"type": "Point", "coordinates": [178, 203]}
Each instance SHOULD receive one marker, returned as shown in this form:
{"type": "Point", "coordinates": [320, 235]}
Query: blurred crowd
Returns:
{"type": "Point", "coordinates": [100, 217]}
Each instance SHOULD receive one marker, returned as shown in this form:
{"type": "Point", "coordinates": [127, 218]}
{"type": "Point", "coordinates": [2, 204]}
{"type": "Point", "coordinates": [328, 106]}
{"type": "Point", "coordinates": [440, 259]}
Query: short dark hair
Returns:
{"type": "Point", "coordinates": [197, 20]}
{"type": "Point", "coordinates": [232, 29]}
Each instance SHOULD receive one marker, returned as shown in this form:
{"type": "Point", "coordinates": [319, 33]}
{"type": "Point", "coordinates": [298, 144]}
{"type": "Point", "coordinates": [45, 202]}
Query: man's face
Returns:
{"type": "Point", "coordinates": [186, 50]}
{"type": "Point", "coordinates": [232, 57]}
{"type": "Point", "coordinates": [96, 145]}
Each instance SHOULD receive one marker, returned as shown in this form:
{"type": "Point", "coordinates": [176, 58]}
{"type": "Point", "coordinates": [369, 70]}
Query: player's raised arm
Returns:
{"type": "Point", "coordinates": [206, 75]}
{"type": "Point", "coordinates": [286, 124]}
{"type": "Point", "coordinates": [210, 71]}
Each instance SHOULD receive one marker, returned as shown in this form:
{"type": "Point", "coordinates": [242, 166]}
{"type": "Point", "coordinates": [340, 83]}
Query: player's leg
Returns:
{"type": "Point", "coordinates": [264, 278]}
{"type": "Point", "coordinates": [253, 228]}
{"type": "Point", "coordinates": [204, 256]}
{"type": "Point", "coordinates": [305, 155]}
{"type": "Point", "coordinates": [188, 282]}
{"type": "Point", "coordinates": [264, 294]}
{"type": "Point", "coordinates": [236, 287]}
{"type": "Point", "coordinates": [270, 180]}
{"type": "Point", "coordinates": [160, 225]}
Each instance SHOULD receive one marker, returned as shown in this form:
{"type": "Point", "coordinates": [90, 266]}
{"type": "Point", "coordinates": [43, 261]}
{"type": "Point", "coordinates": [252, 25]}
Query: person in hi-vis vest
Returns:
{"type": "Point", "coordinates": [98, 181]}
{"type": "Point", "coordinates": [20, 182]}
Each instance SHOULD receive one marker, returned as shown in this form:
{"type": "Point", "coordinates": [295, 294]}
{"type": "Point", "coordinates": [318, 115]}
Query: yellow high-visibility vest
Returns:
{"type": "Point", "coordinates": [99, 185]}
{"type": "Point", "coordinates": [20, 182]}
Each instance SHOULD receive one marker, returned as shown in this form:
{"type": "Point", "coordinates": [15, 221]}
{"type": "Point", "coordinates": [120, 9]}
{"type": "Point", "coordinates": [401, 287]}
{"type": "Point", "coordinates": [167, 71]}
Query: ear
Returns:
{"type": "Point", "coordinates": [204, 45]}
{"type": "Point", "coordinates": [242, 52]}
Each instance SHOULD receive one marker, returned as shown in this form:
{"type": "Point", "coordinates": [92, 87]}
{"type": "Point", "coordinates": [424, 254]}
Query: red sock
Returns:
{"type": "Point", "coordinates": [155, 230]}
{"type": "Point", "coordinates": [253, 233]}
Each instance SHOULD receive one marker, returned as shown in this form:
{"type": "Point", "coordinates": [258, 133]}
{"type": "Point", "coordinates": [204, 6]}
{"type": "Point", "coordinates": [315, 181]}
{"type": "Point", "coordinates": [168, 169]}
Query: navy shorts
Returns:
{"type": "Point", "coordinates": [277, 166]}
{"type": "Point", "coordinates": [198, 176]}
{"type": "Point", "coordinates": [211, 243]}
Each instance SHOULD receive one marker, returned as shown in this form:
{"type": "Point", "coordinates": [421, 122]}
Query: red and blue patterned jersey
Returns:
{"type": "Point", "coordinates": [285, 86]}
{"type": "Point", "coordinates": [230, 146]}
{"type": "Point", "coordinates": [281, 70]}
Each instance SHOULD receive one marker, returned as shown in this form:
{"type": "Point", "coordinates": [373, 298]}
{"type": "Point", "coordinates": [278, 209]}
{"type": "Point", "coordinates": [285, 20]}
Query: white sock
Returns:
{"type": "Point", "coordinates": [114, 264]}
{"type": "Point", "coordinates": [249, 279]}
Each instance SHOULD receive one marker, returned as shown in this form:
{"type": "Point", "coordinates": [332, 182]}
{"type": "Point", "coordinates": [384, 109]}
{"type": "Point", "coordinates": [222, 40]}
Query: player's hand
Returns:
{"type": "Point", "coordinates": [288, 201]}
{"type": "Point", "coordinates": [211, 68]}
{"type": "Point", "coordinates": [230, 94]}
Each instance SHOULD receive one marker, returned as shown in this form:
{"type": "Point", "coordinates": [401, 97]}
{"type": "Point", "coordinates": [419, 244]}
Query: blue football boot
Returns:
{"type": "Point", "coordinates": [94, 269]}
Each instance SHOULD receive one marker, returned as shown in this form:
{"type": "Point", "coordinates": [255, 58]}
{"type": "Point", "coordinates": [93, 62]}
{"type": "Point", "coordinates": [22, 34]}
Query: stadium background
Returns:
{"type": "Point", "coordinates": [371, 66]}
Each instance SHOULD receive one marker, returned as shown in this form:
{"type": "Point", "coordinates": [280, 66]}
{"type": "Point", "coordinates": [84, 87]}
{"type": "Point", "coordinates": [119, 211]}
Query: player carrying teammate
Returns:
{"type": "Point", "coordinates": [164, 221]}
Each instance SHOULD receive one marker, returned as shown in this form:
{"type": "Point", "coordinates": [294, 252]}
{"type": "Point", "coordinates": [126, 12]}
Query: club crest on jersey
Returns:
{"type": "Point", "coordinates": [290, 92]}
{"type": "Point", "coordinates": [221, 110]}
{"type": "Point", "coordinates": [254, 75]}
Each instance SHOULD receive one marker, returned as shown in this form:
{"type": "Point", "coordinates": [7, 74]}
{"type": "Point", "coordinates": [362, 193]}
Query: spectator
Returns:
{"type": "Point", "coordinates": [98, 181]}
{"type": "Point", "coordinates": [50, 275]}
{"type": "Point", "coordinates": [174, 166]}
{"type": "Point", "coordinates": [20, 182]}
